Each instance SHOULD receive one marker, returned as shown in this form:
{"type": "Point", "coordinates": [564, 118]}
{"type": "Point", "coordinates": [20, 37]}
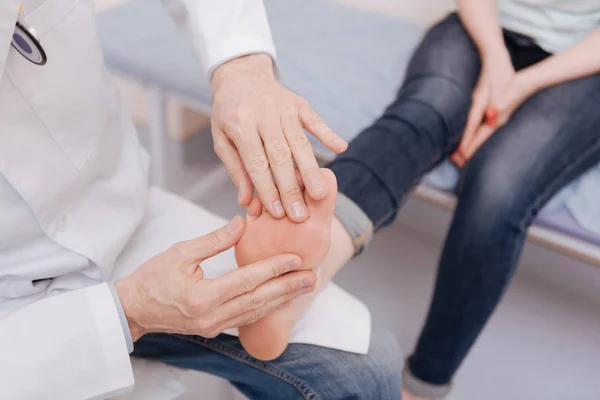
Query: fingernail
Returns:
{"type": "Point", "coordinates": [233, 225]}
{"type": "Point", "coordinates": [298, 209]}
{"type": "Point", "coordinates": [292, 265]}
{"type": "Point", "coordinates": [306, 285]}
{"type": "Point", "coordinates": [278, 207]}
{"type": "Point", "coordinates": [318, 185]}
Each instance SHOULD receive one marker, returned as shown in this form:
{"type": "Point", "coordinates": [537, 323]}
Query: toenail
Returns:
{"type": "Point", "coordinates": [298, 209]}
{"type": "Point", "coordinates": [318, 185]}
{"type": "Point", "coordinates": [278, 208]}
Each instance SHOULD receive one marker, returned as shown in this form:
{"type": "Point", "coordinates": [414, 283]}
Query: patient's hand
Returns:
{"type": "Point", "coordinates": [266, 236]}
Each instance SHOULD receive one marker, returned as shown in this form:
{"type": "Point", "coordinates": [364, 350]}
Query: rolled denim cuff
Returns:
{"type": "Point", "coordinates": [356, 222]}
{"type": "Point", "coordinates": [122, 317]}
{"type": "Point", "coordinates": [421, 388]}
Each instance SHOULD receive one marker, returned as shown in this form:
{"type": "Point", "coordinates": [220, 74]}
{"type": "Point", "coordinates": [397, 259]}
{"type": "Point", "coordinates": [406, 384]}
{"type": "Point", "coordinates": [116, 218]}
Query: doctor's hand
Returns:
{"type": "Point", "coordinates": [257, 128]}
{"type": "Point", "coordinates": [168, 293]}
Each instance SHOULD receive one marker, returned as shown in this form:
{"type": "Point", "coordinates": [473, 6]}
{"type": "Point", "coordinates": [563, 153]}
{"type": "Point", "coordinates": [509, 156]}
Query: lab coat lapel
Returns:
{"type": "Point", "coordinates": [9, 11]}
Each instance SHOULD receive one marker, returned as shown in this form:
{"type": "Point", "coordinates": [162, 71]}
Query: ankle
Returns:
{"type": "Point", "coordinates": [356, 223]}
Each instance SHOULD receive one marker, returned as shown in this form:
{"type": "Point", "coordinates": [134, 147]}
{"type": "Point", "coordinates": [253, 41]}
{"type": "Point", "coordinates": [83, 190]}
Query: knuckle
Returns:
{"type": "Point", "coordinates": [302, 102]}
{"type": "Point", "coordinates": [290, 291]}
{"type": "Point", "coordinates": [302, 105]}
{"type": "Point", "coordinates": [293, 191]}
{"type": "Point", "coordinates": [282, 156]}
{"type": "Point", "coordinates": [205, 329]}
{"type": "Point", "coordinates": [289, 294]}
{"type": "Point", "coordinates": [191, 306]}
{"type": "Point", "coordinates": [211, 333]}
{"type": "Point", "coordinates": [181, 249]}
{"type": "Point", "coordinates": [259, 165]}
{"type": "Point", "coordinates": [214, 240]}
{"type": "Point", "coordinates": [222, 150]}
{"type": "Point", "coordinates": [256, 302]}
{"type": "Point", "coordinates": [258, 314]}
{"type": "Point", "coordinates": [299, 140]}
{"type": "Point", "coordinates": [276, 269]}
{"type": "Point", "coordinates": [246, 284]}
{"type": "Point", "coordinates": [272, 193]}
{"type": "Point", "coordinates": [238, 115]}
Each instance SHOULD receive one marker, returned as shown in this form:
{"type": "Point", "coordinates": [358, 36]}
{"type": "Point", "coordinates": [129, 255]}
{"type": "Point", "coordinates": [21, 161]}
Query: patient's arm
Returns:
{"type": "Point", "coordinates": [480, 19]}
{"type": "Point", "coordinates": [579, 60]}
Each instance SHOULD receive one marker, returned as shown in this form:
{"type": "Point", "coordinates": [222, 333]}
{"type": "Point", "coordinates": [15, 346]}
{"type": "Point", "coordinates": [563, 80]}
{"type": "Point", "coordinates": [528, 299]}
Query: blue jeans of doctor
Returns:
{"type": "Point", "coordinates": [302, 372]}
{"type": "Point", "coordinates": [549, 141]}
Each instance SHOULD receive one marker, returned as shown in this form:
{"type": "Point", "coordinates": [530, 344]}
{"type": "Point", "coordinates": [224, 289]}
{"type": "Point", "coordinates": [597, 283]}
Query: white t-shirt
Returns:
{"type": "Point", "coordinates": [553, 24]}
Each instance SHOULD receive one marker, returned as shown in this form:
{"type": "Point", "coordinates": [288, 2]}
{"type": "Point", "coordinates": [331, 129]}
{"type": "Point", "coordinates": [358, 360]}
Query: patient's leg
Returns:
{"type": "Point", "coordinates": [321, 241]}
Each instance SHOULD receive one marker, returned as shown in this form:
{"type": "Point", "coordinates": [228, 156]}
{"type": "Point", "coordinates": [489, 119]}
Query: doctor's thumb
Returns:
{"type": "Point", "coordinates": [221, 239]}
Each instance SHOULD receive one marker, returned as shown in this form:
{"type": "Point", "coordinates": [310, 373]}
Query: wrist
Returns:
{"type": "Point", "coordinates": [496, 59]}
{"type": "Point", "coordinates": [529, 81]}
{"type": "Point", "coordinates": [125, 291]}
{"type": "Point", "coordinates": [256, 65]}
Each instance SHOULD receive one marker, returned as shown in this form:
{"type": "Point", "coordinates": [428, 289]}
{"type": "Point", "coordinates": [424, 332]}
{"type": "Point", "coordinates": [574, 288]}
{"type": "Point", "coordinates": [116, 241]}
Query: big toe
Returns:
{"type": "Point", "coordinates": [323, 209]}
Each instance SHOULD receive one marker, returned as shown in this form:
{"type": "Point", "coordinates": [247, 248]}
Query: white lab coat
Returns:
{"type": "Point", "coordinates": [69, 149]}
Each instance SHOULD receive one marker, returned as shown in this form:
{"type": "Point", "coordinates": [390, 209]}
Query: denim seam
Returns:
{"type": "Point", "coordinates": [305, 391]}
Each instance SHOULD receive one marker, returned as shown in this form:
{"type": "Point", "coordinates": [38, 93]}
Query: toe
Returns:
{"type": "Point", "coordinates": [255, 209]}
{"type": "Point", "coordinates": [323, 209]}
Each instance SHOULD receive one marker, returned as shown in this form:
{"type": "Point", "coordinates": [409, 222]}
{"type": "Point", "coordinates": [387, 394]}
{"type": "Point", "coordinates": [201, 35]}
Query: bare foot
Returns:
{"type": "Point", "coordinates": [266, 236]}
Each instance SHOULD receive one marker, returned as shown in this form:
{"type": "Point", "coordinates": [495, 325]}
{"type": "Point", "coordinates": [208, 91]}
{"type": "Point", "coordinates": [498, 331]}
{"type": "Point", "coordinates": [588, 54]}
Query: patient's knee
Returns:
{"type": "Point", "coordinates": [496, 199]}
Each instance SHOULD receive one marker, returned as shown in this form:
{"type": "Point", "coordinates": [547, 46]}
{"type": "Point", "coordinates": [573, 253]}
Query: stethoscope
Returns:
{"type": "Point", "coordinates": [25, 42]}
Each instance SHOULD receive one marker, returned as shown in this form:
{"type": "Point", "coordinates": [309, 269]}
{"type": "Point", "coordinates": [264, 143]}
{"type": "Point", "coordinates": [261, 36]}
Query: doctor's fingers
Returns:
{"type": "Point", "coordinates": [281, 161]}
{"type": "Point", "coordinates": [256, 163]}
{"type": "Point", "coordinates": [313, 123]}
{"type": "Point", "coordinates": [247, 278]}
{"type": "Point", "coordinates": [196, 250]}
{"type": "Point", "coordinates": [304, 156]}
{"type": "Point", "coordinates": [252, 306]}
{"type": "Point", "coordinates": [227, 152]}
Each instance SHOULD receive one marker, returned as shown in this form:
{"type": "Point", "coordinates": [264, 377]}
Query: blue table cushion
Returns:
{"type": "Point", "coordinates": [346, 62]}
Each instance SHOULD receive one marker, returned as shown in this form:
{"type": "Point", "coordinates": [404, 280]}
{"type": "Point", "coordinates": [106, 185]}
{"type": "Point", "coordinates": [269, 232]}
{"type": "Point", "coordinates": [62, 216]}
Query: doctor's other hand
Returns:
{"type": "Point", "coordinates": [169, 294]}
{"type": "Point", "coordinates": [257, 128]}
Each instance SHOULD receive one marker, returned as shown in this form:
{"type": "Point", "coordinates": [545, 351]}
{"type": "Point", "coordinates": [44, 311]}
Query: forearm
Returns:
{"type": "Point", "coordinates": [480, 19]}
{"type": "Point", "coordinates": [580, 60]}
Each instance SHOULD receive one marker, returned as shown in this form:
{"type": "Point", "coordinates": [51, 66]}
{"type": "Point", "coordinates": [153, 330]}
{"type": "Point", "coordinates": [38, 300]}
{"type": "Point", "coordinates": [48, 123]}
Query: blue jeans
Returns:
{"type": "Point", "coordinates": [302, 372]}
{"type": "Point", "coordinates": [550, 140]}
